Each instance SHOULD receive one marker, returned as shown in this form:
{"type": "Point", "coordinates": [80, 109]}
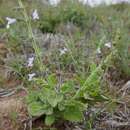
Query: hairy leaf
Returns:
{"type": "Point", "coordinates": [49, 120]}
{"type": "Point", "coordinates": [73, 113]}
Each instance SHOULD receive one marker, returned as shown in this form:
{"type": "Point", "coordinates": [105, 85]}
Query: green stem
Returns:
{"type": "Point", "coordinates": [97, 70]}
{"type": "Point", "coordinates": [31, 35]}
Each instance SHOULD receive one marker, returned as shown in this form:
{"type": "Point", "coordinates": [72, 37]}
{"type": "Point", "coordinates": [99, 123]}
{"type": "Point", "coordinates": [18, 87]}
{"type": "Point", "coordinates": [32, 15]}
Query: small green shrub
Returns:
{"type": "Point", "coordinates": [122, 42]}
{"type": "Point", "coordinates": [55, 102]}
{"type": "Point", "coordinates": [67, 11]}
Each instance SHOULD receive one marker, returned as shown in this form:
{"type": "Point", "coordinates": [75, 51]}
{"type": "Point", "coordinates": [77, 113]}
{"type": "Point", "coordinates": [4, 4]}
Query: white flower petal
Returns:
{"type": "Point", "coordinates": [63, 51]}
{"type": "Point", "coordinates": [31, 76]}
{"type": "Point", "coordinates": [35, 15]}
{"type": "Point", "coordinates": [10, 21]}
{"type": "Point", "coordinates": [30, 61]}
{"type": "Point", "coordinates": [108, 45]}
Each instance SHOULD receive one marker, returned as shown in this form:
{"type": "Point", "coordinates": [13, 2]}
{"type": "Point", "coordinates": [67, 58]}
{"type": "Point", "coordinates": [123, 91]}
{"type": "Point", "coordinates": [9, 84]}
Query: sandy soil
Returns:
{"type": "Point", "coordinates": [13, 112]}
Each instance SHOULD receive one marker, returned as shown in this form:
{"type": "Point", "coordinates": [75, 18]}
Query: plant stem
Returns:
{"type": "Point", "coordinates": [97, 70]}
{"type": "Point", "coordinates": [31, 36]}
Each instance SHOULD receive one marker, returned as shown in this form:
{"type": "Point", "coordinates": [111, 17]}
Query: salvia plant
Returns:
{"type": "Point", "coordinates": [64, 100]}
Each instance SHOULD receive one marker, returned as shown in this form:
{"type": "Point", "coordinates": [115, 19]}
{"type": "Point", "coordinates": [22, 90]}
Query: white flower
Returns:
{"type": "Point", "coordinates": [10, 21]}
{"type": "Point", "coordinates": [35, 15]}
{"type": "Point", "coordinates": [30, 61]}
{"type": "Point", "coordinates": [98, 51]}
{"type": "Point", "coordinates": [108, 45]}
{"type": "Point", "coordinates": [63, 51]}
{"type": "Point", "coordinates": [30, 76]}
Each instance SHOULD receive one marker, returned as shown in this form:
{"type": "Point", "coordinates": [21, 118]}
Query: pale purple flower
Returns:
{"type": "Point", "coordinates": [31, 76]}
{"type": "Point", "coordinates": [10, 21]}
{"type": "Point", "coordinates": [35, 15]}
{"type": "Point", "coordinates": [30, 61]}
{"type": "Point", "coordinates": [63, 51]}
{"type": "Point", "coordinates": [108, 44]}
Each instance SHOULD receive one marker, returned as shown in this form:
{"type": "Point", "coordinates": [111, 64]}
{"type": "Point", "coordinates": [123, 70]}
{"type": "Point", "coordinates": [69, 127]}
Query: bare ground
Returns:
{"type": "Point", "coordinates": [13, 112]}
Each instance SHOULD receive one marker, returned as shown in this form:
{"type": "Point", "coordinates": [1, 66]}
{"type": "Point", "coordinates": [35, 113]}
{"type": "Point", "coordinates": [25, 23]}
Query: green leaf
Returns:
{"type": "Point", "coordinates": [59, 98]}
{"type": "Point", "coordinates": [52, 81]}
{"type": "Point", "coordinates": [50, 119]}
{"type": "Point", "coordinates": [48, 110]}
{"type": "Point", "coordinates": [32, 97]}
{"type": "Point", "coordinates": [44, 94]}
{"type": "Point", "coordinates": [80, 79]}
{"type": "Point", "coordinates": [50, 96]}
{"type": "Point", "coordinates": [35, 109]}
{"type": "Point", "coordinates": [38, 108]}
{"type": "Point", "coordinates": [54, 99]}
{"type": "Point", "coordinates": [40, 81]}
{"type": "Point", "coordinates": [61, 106]}
{"type": "Point", "coordinates": [67, 87]}
{"type": "Point", "coordinates": [93, 67]}
{"type": "Point", "coordinates": [99, 97]}
{"type": "Point", "coordinates": [87, 97]}
{"type": "Point", "coordinates": [73, 113]}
